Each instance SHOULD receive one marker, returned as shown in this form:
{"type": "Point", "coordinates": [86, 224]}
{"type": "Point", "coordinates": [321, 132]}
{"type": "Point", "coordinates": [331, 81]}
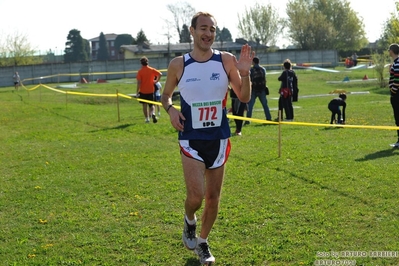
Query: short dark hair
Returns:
{"type": "Point", "coordinates": [144, 61]}
{"type": "Point", "coordinates": [342, 96]}
{"type": "Point", "coordinates": [255, 60]}
{"type": "Point", "coordinates": [197, 15]}
{"type": "Point", "coordinates": [394, 48]}
{"type": "Point", "coordinates": [287, 65]}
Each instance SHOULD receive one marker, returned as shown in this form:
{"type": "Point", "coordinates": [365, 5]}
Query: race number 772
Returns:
{"type": "Point", "coordinates": [207, 113]}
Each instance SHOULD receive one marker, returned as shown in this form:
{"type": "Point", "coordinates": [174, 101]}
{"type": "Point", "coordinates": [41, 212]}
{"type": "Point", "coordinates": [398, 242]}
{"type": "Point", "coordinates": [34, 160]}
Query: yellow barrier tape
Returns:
{"type": "Point", "coordinates": [263, 121]}
{"type": "Point", "coordinates": [255, 120]}
{"type": "Point", "coordinates": [91, 94]}
{"type": "Point", "coordinates": [47, 87]}
{"type": "Point", "coordinates": [125, 96]}
{"type": "Point", "coordinates": [31, 89]}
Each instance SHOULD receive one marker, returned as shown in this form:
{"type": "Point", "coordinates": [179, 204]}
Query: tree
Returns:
{"type": "Point", "coordinates": [182, 13]}
{"type": "Point", "coordinates": [86, 45]}
{"type": "Point", "coordinates": [391, 30]}
{"type": "Point", "coordinates": [75, 47]}
{"type": "Point", "coordinates": [185, 35]}
{"type": "Point", "coordinates": [102, 54]}
{"type": "Point", "coordinates": [17, 51]}
{"type": "Point", "coordinates": [223, 35]}
{"type": "Point", "coordinates": [380, 61]}
{"type": "Point", "coordinates": [141, 38]}
{"type": "Point", "coordinates": [123, 39]}
{"type": "Point", "coordinates": [260, 24]}
{"type": "Point", "coordinates": [325, 24]}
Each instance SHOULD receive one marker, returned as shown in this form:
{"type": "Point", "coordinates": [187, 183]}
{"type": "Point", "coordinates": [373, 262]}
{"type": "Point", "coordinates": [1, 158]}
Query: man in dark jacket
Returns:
{"type": "Point", "coordinates": [259, 89]}
{"type": "Point", "coordinates": [288, 78]}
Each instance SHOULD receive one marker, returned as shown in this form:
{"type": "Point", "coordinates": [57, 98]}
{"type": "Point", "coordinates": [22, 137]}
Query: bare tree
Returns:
{"type": "Point", "coordinates": [16, 50]}
{"type": "Point", "coordinates": [182, 13]}
{"type": "Point", "coordinates": [261, 24]}
{"type": "Point", "coordinates": [381, 61]}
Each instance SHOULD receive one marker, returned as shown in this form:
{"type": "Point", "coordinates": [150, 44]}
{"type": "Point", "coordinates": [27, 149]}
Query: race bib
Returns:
{"type": "Point", "coordinates": [207, 114]}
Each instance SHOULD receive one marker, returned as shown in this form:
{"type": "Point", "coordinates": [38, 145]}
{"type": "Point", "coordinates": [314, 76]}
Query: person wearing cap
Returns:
{"type": "Point", "coordinates": [394, 84]}
{"type": "Point", "coordinates": [147, 77]}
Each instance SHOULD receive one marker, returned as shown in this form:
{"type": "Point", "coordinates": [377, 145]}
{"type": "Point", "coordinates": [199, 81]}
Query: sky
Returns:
{"type": "Point", "coordinates": [46, 23]}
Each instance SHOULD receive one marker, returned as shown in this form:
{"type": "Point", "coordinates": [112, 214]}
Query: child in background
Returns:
{"type": "Point", "coordinates": [334, 107]}
{"type": "Point", "coordinates": [157, 96]}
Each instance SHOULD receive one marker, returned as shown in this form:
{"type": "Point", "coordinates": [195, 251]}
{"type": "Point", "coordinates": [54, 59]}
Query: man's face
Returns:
{"type": "Point", "coordinates": [204, 33]}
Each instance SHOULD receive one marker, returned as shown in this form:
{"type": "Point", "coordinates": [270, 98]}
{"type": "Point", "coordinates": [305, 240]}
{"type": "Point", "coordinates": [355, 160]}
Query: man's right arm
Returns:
{"type": "Point", "coordinates": [175, 70]}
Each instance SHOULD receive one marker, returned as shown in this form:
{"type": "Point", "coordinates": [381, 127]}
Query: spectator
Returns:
{"type": "Point", "coordinates": [16, 80]}
{"type": "Point", "coordinates": [288, 78]}
{"type": "Point", "coordinates": [334, 106]}
{"type": "Point", "coordinates": [238, 109]}
{"type": "Point", "coordinates": [157, 95]}
{"type": "Point", "coordinates": [354, 59]}
{"type": "Point", "coordinates": [394, 85]}
{"type": "Point", "coordinates": [259, 89]}
{"type": "Point", "coordinates": [146, 79]}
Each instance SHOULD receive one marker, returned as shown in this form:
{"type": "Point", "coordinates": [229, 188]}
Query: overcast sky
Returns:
{"type": "Point", "coordinates": [46, 23]}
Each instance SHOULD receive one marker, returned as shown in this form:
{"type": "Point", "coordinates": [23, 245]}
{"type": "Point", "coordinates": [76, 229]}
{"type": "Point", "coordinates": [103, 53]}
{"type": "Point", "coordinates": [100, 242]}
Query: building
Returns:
{"type": "Point", "coordinates": [95, 45]}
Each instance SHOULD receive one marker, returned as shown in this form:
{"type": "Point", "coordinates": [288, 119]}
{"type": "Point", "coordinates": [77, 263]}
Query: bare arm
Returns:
{"type": "Point", "coordinates": [157, 77]}
{"type": "Point", "coordinates": [138, 87]}
{"type": "Point", "coordinates": [238, 72]}
{"type": "Point", "coordinates": [175, 70]}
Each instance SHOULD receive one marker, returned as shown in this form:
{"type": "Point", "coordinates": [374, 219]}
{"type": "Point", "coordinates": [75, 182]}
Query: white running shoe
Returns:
{"type": "Point", "coordinates": [189, 237]}
{"type": "Point", "coordinates": [395, 145]}
{"type": "Point", "coordinates": [204, 254]}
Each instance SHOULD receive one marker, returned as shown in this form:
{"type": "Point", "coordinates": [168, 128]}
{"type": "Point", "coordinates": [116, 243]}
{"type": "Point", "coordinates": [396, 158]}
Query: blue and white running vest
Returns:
{"type": "Point", "coordinates": [203, 87]}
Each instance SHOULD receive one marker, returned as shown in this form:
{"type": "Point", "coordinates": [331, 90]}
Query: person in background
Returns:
{"type": "Point", "coordinates": [16, 80]}
{"type": "Point", "coordinates": [146, 78]}
{"type": "Point", "coordinates": [394, 85]}
{"type": "Point", "coordinates": [288, 78]}
{"type": "Point", "coordinates": [354, 59]}
{"type": "Point", "coordinates": [202, 77]}
{"type": "Point", "coordinates": [157, 95]}
{"type": "Point", "coordinates": [259, 90]}
{"type": "Point", "coordinates": [238, 109]}
{"type": "Point", "coordinates": [335, 107]}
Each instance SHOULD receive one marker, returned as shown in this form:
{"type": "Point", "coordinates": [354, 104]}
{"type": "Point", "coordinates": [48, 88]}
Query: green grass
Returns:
{"type": "Point", "coordinates": [79, 187]}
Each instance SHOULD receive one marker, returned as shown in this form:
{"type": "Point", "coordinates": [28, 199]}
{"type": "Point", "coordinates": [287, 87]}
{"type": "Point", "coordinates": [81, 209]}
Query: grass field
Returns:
{"type": "Point", "coordinates": [79, 187]}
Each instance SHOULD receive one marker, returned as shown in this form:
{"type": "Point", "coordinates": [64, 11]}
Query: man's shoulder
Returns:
{"type": "Point", "coordinates": [226, 56]}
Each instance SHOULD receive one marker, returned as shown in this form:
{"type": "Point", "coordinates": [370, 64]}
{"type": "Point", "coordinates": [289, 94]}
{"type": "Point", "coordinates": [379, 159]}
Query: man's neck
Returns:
{"type": "Point", "coordinates": [200, 55]}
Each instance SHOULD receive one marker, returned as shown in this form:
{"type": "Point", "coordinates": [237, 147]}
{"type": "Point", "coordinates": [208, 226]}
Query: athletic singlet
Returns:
{"type": "Point", "coordinates": [202, 87]}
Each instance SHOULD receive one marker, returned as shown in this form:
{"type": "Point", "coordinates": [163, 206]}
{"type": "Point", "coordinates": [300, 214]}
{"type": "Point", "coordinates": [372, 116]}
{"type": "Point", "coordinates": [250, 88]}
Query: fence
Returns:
{"type": "Point", "coordinates": [118, 69]}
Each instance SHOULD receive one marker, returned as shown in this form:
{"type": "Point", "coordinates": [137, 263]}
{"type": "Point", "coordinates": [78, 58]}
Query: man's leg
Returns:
{"type": "Point", "coordinates": [145, 110]}
{"type": "Point", "coordinates": [395, 108]}
{"type": "Point", "coordinates": [332, 117]}
{"type": "Point", "coordinates": [194, 176]}
{"type": "Point", "coordinates": [263, 100]}
{"type": "Point", "coordinates": [213, 188]}
{"type": "Point", "coordinates": [339, 115]}
{"type": "Point", "coordinates": [250, 106]}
